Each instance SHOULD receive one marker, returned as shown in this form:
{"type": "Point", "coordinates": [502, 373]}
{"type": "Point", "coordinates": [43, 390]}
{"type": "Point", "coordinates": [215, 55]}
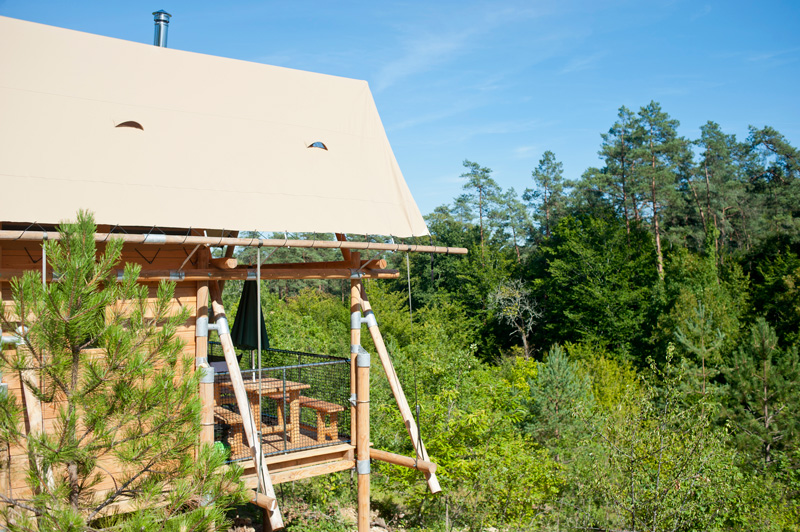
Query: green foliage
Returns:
{"type": "Point", "coordinates": [128, 401]}
{"type": "Point", "coordinates": [611, 380]}
{"type": "Point", "coordinates": [548, 197]}
{"type": "Point", "coordinates": [659, 465]}
{"type": "Point", "coordinates": [671, 246]}
{"type": "Point", "coordinates": [776, 294]}
{"type": "Point", "coordinates": [312, 321]}
{"type": "Point", "coordinates": [596, 286]}
{"type": "Point", "coordinates": [558, 392]}
{"type": "Point", "coordinates": [764, 395]}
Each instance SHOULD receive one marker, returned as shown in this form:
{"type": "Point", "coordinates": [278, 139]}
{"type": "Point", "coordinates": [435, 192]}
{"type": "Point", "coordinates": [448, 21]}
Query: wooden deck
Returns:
{"type": "Point", "coordinates": [302, 464]}
{"type": "Point", "coordinates": [276, 444]}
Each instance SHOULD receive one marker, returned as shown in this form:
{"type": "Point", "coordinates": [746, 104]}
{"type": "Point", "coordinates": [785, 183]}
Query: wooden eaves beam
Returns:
{"type": "Point", "coordinates": [240, 274]}
{"type": "Point", "coordinates": [158, 239]}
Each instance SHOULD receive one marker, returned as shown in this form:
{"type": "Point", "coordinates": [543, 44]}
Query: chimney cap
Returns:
{"type": "Point", "coordinates": [161, 16]}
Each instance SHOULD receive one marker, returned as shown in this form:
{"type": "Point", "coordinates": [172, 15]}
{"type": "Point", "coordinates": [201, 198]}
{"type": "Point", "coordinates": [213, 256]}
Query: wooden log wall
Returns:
{"type": "Point", "coordinates": [28, 255]}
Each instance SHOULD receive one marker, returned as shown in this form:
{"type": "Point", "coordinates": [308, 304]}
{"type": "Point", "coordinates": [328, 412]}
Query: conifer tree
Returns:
{"type": "Point", "coordinates": [485, 192]}
{"type": "Point", "coordinates": [764, 384]}
{"type": "Point", "coordinates": [618, 178]}
{"type": "Point", "coordinates": [549, 179]}
{"type": "Point", "coordinates": [660, 156]}
{"type": "Point", "coordinates": [556, 395]}
{"type": "Point", "coordinates": [107, 360]}
{"type": "Point", "coordinates": [512, 216]}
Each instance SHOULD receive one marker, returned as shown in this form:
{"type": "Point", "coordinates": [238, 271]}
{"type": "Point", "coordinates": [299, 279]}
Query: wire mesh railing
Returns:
{"type": "Point", "coordinates": [299, 400]}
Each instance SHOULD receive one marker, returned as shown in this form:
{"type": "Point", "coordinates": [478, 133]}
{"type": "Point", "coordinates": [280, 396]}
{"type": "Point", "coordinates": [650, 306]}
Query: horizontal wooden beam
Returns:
{"type": "Point", "coordinates": [300, 473]}
{"type": "Point", "coordinates": [161, 240]}
{"type": "Point", "coordinates": [226, 275]}
{"type": "Point", "coordinates": [224, 263]}
{"type": "Point", "coordinates": [405, 461]}
{"type": "Point", "coordinates": [374, 264]}
{"type": "Point", "coordinates": [295, 459]}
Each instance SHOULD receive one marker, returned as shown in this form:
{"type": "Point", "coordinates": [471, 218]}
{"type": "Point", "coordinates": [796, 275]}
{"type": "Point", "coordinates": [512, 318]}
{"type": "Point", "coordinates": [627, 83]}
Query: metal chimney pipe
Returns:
{"type": "Point", "coordinates": [162, 25]}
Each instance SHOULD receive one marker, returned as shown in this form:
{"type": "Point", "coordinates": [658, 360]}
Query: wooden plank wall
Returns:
{"type": "Point", "coordinates": [27, 255]}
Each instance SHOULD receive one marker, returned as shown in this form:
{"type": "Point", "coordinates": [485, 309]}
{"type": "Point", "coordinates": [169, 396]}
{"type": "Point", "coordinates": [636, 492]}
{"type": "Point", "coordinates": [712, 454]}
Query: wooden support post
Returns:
{"type": "Point", "coordinates": [229, 249]}
{"type": "Point", "coordinates": [362, 398]}
{"type": "Point", "coordinates": [341, 237]}
{"type": "Point", "coordinates": [265, 483]}
{"type": "Point", "coordinates": [201, 355]}
{"type": "Point", "coordinates": [355, 339]}
{"type": "Point", "coordinates": [397, 391]}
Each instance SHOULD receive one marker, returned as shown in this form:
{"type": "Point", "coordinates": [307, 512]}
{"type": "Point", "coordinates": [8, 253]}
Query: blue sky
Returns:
{"type": "Point", "coordinates": [498, 82]}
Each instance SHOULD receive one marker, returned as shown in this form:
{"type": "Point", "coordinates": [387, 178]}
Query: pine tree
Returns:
{"type": "Point", "coordinates": [618, 177]}
{"type": "Point", "coordinates": [660, 156]}
{"type": "Point", "coordinates": [556, 395]}
{"type": "Point", "coordinates": [485, 192]}
{"type": "Point", "coordinates": [722, 202]}
{"type": "Point", "coordinates": [108, 361]}
{"type": "Point", "coordinates": [549, 192]}
{"type": "Point", "coordinates": [511, 215]}
{"type": "Point", "coordinates": [764, 394]}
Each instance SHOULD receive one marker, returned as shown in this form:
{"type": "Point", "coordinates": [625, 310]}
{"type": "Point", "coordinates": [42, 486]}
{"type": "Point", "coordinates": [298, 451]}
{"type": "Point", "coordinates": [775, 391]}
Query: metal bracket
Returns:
{"type": "Point", "coordinates": [155, 239]}
{"type": "Point", "coordinates": [355, 320]}
{"type": "Point", "coordinates": [362, 467]}
{"type": "Point", "coordinates": [252, 275]}
{"type": "Point", "coordinates": [201, 327]}
{"type": "Point", "coordinates": [369, 319]}
{"type": "Point", "coordinates": [221, 326]}
{"type": "Point", "coordinates": [356, 275]}
{"type": "Point", "coordinates": [208, 373]}
{"type": "Point", "coordinates": [362, 359]}
{"type": "Point", "coordinates": [176, 275]}
{"type": "Point", "coordinates": [353, 399]}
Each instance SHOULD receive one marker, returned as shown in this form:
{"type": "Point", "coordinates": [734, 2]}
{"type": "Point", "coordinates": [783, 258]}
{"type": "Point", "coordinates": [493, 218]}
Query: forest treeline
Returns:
{"type": "Point", "coordinates": [616, 352]}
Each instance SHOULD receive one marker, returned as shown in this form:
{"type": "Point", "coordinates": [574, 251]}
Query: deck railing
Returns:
{"type": "Point", "coordinates": [300, 401]}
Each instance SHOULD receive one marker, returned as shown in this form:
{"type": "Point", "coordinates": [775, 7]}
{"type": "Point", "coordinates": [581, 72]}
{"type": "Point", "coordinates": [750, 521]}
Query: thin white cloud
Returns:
{"type": "Point", "coordinates": [430, 117]}
{"type": "Point", "coordinates": [773, 57]}
{"type": "Point", "coordinates": [447, 38]}
{"type": "Point", "coordinates": [578, 64]}
{"type": "Point", "coordinates": [421, 55]}
{"type": "Point", "coordinates": [526, 152]}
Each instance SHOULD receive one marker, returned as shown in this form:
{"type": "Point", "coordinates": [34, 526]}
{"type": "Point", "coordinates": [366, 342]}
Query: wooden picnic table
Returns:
{"type": "Point", "coordinates": [283, 392]}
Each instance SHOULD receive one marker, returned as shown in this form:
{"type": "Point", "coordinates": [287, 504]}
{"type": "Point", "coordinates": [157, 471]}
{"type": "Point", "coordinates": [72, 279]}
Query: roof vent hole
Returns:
{"type": "Point", "coordinates": [132, 124]}
{"type": "Point", "coordinates": [319, 145]}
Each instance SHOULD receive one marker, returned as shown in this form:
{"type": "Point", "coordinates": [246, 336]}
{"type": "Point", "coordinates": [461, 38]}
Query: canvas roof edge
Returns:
{"type": "Point", "coordinates": [220, 143]}
{"type": "Point", "coordinates": [160, 239]}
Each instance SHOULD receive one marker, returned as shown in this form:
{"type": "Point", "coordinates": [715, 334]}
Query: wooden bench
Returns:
{"type": "Point", "coordinates": [223, 416]}
{"type": "Point", "coordinates": [324, 408]}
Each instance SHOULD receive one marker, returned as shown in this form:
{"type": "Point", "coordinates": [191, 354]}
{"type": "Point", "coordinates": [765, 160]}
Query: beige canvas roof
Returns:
{"type": "Point", "coordinates": [223, 143]}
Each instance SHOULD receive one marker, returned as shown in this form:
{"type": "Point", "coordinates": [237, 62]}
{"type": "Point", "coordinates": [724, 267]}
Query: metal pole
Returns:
{"type": "Point", "coordinates": [161, 19]}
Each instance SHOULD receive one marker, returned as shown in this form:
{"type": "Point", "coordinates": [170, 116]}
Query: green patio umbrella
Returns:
{"type": "Point", "coordinates": [244, 332]}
